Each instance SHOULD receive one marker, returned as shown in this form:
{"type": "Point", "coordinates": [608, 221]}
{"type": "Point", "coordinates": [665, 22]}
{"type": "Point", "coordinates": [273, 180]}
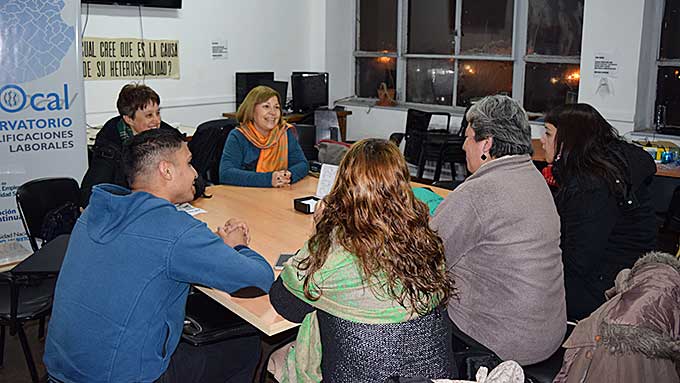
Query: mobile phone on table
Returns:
{"type": "Point", "coordinates": [282, 259]}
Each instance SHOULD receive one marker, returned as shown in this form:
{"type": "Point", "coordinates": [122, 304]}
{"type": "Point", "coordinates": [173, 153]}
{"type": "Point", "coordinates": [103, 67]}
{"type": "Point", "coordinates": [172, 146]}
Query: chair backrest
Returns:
{"type": "Point", "coordinates": [36, 198]}
{"type": "Point", "coordinates": [327, 126]}
{"type": "Point", "coordinates": [417, 121]}
{"type": "Point", "coordinates": [207, 145]}
{"type": "Point", "coordinates": [417, 124]}
{"type": "Point", "coordinates": [306, 135]}
{"type": "Point", "coordinates": [464, 122]}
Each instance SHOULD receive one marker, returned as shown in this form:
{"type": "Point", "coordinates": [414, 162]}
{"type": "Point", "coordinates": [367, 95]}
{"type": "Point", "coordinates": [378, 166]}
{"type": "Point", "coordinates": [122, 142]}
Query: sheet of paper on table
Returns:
{"type": "Point", "coordinates": [189, 209]}
{"type": "Point", "coordinates": [326, 180]}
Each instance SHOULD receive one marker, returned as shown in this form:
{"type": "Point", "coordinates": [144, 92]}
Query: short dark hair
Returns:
{"type": "Point", "coordinates": [144, 150]}
{"type": "Point", "coordinates": [134, 97]}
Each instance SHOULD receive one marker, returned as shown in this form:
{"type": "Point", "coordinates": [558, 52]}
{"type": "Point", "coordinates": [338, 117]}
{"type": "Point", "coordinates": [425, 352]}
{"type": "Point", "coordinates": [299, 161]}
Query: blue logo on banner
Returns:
{"type": "Point", "coordinates": [13, 98]}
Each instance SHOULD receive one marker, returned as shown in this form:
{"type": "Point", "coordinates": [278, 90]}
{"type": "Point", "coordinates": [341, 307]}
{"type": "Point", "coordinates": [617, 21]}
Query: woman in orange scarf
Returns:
{"type": "Point", "coordinates": [262, 151]}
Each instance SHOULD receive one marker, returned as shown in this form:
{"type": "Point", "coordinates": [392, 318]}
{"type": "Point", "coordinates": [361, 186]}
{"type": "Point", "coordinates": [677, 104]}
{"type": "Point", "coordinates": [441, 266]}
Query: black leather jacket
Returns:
{"type": "Point", "coordinates": [602, 233]}
{"type": "Point", "coordinates": [106, 165]}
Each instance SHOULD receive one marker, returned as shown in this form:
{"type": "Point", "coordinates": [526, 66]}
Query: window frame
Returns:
{"type": "Point", "coordinates": [518, 56]}
{"type": "Point", "coordinates": [648, 108]}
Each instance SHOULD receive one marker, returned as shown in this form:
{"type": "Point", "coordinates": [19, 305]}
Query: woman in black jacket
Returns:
{"type": "Point", "coordinates": [603, 199]}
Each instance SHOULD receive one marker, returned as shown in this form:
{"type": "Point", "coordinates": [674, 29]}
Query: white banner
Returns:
{"type": "Point", "coordinates": [129, 58]}
{"type": "Point", "coordinates": [42, 106]}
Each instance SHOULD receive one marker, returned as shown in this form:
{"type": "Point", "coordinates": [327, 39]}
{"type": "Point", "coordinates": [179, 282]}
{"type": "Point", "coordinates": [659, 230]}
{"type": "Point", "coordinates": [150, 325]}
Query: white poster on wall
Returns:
{"type": "Point", "coordinates": [42, 112]}
{"type": "Point", "coordinates": [606, 64]}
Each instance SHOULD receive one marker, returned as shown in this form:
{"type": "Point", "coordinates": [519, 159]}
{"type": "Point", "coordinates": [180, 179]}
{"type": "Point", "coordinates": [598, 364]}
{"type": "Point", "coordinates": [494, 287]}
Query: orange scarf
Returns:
{"type": "Point", "coordinates": [273, 147]}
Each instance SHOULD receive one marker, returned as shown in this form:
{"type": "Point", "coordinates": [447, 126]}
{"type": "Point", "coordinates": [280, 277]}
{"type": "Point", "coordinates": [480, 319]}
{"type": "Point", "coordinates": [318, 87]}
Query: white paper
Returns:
{"type": "Point", "coordinates": [219, 49]}
{"type": "Point", "coordinates": [606, 65]}
{"type": "Point", "coordinates": [189, 209]}
{"type": "Point", "coordinates": [311, 203]}
{"type": "Point", "coordinates": [326, 180]}
{"type": "Point", "coordinates": [13, 251]}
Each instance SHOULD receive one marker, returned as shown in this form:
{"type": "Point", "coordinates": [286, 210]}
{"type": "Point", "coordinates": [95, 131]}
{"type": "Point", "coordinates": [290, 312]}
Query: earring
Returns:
{"type": "Point", "coordinates": [483, 157]}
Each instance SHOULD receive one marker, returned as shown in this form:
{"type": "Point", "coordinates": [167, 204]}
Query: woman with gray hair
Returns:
{"type": "Point", "coordinates": [501, 237]}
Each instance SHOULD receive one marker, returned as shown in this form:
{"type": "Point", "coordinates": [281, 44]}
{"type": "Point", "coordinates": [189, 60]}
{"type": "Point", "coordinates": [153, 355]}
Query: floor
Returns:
{"type": "Point", "coordinates": [14, 369]}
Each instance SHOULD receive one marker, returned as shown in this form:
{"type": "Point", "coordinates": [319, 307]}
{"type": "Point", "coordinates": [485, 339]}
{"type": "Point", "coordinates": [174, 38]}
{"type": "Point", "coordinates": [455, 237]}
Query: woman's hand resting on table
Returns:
{"type": "Point", "coordinates": [281, 178]}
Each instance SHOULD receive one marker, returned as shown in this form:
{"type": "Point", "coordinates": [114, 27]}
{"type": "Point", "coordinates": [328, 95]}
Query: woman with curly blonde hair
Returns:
{"type": "Point", "coordinates": [369, 285]}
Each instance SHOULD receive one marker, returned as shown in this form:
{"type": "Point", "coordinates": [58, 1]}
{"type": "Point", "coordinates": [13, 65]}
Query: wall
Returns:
{"type": "Point", "coordinates": [621, 37]}
{"type": "Point", "coordinates": [264, 35]}
{"type": "Point", "coordinates": [339, 45]}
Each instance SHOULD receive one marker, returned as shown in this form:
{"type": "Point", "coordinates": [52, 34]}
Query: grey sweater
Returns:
{"type": "Point", "coordinates": [501, 235]}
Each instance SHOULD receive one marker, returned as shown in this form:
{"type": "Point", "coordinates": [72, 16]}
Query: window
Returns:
{"type": "Point", "coordinates": [454, 52]}
{"type": "Point", "coordinates": [667, 104]}
{"type": "Point", "coordinates": [553, 52]}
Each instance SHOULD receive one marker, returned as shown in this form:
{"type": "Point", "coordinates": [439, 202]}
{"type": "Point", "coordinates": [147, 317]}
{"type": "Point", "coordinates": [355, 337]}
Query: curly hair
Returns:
{"type": "Point", "coordinates": [372, 213]}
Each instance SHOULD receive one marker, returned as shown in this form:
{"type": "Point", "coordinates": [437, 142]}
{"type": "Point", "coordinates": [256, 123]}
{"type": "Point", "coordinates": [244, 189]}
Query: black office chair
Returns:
{"type": "Point", "coordinates": [207, 322]}
{"type": "Point", "coordinates": [36, 198]}
{"type": "Point", "coordinates": [269, 345]}
{"type": "Point", "coordinates": [423, 144]}
{"type": "Point", "coordinates": [206, 147]}
{"type": "Point", "coordinates": [306, 136]}
{"type": "Point", "coordinates": [26, 294]}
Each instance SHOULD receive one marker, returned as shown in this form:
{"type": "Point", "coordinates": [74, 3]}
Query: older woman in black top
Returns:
{"type": "Point", "coordinates": [139, 110]}
{"type": "Point", "coordinates": [603, 199]}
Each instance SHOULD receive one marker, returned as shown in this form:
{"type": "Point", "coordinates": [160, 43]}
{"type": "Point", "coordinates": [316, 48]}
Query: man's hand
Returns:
{"type": "Point", "coordinates": [235, 232]}
{"type": "Point", "coordinates": [281, 178]}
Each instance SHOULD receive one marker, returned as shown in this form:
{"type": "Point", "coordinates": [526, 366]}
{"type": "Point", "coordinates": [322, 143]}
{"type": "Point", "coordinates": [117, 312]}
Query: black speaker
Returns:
{"type": "Point", "coordinates": [246, 81]}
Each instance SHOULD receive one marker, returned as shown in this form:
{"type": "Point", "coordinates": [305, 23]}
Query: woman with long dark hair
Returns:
{"type": "Point", "coordinates": [369, 283]}
{"type": "Point", "coordinates": [603, 199]}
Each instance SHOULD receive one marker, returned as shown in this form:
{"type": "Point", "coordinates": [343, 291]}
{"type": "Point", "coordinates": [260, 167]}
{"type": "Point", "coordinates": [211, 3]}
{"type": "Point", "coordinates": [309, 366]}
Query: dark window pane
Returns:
{"type": "Point", "coordinates": [670, 31]}
{"type": "Point", "coordinates": [487, 27]}
{"type": "Point", "coordinates": [431, 26]}
{"type": "Point", "coordinates": [668, 93]}
{"type": "Point", "coordinates": [378, 25]}
{"type": "Point", "coordinates": [429, 81]}
{"type": "Point", "coordinates": [371, 71]}
{"type": "Point", "coordinates": [477, 79]}
{"type": "Point", "coordinates": [550, 85]}
{"type": "Point", "coordinates": [555, 27]}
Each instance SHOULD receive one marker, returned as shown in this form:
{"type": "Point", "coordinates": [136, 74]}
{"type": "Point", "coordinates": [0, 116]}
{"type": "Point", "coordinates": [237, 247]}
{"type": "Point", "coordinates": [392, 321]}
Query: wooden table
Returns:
{"type": "Point", "coordinates": [539, 155]}
{"type": "Point", "coordinates": [297, 117]}
{"type": "Point", "coordinates": [275, 228]}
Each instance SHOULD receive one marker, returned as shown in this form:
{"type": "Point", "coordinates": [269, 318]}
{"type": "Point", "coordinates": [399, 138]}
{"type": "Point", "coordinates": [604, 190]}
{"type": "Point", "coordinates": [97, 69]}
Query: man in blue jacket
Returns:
{"type": "Point", "coordinates": [119, 301]}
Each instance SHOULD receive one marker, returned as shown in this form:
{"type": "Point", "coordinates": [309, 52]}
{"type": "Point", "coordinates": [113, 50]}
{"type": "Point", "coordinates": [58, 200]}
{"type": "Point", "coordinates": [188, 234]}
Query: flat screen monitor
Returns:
{"type": "Point", "coordinates": [281, 87]}
{"type": "Point", "coordinates": [310, 91]}
{"type": "Point", "coordinates": [146, 3]}
{"type": "Point", "coordinates": [246, 81]}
